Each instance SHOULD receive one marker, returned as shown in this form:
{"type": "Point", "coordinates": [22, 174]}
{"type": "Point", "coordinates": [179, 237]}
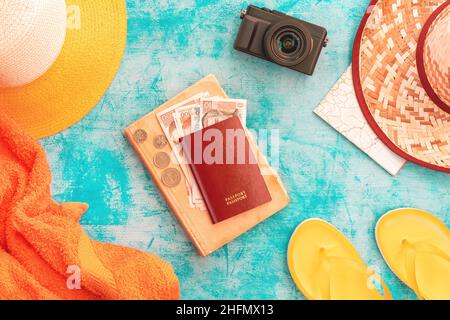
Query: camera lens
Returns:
{"type": "Point", "coordinates": [289, 43]}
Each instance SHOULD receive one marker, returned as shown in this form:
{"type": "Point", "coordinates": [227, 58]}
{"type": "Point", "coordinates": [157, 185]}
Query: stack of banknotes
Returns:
{"type": "Point", "coordinates": [191, 115]}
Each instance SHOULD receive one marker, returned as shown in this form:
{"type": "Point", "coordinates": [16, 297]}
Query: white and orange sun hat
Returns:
{"type": "Point", "coordinates": [57, 59]}
{"type": "Point", "coordinates": [401, 74]}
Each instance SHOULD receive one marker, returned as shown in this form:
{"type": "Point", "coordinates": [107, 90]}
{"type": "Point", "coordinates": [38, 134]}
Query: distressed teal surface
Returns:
{"type": "Point", "coordinates": [172, 44]}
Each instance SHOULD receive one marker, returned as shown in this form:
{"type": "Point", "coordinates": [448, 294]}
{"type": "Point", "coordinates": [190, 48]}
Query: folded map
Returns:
{"type": "Point", "coordinates": [341, 110]}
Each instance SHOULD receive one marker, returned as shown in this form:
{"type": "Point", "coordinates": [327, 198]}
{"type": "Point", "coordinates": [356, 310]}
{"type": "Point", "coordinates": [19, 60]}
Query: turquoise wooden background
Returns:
{"type": "Point", "coordinates": [172, 44]}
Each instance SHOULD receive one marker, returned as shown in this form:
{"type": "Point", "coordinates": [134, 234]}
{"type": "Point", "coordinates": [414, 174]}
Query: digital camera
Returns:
{"type": "Point", "coordinates": [279, 38]}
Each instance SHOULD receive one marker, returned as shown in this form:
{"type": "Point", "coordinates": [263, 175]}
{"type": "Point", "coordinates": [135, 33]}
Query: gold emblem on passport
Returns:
{"type": "Point", "coordinates": [235, 198]}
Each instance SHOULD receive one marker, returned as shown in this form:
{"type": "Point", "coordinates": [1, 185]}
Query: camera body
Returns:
{"type": "Point", "coordinates": [282, 39]}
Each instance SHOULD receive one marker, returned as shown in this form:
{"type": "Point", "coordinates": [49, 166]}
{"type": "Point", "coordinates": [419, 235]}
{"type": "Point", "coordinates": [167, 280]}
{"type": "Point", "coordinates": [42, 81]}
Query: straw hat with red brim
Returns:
{"type": "Point", "coordinates": [401, 74]}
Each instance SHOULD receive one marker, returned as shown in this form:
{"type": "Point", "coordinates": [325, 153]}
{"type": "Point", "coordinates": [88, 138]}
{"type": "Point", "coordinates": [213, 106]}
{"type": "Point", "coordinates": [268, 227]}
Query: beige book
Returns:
{"type": "Point", "coordinates": [146, 136]}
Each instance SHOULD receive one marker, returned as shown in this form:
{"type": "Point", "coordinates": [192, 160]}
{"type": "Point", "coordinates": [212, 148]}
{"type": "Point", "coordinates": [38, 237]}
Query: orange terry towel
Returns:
{"type": "Point", "coordinates": [44, 252]}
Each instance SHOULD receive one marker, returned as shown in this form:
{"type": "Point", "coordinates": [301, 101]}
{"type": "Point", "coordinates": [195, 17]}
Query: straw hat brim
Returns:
{"type": "Point", "coordinates": [388, 87]}
{"type": "Point", "coordinates": [89, 60]}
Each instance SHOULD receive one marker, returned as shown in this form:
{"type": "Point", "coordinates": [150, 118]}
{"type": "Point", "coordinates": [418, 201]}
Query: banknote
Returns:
{"type": "Point", "coordinates": [167, 120]}
{"type": "Point", "coordinates": [185, 125]}
{"type": "Point", "coordinates": [215, 110]}
{"type": "Point", "coordinates": [184, 117]}
{"type": "Point", "coordinates": [191, 115]}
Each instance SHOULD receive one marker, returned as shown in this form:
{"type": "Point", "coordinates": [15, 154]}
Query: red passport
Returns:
{"type": "Point", "coordinates": [226, 170]}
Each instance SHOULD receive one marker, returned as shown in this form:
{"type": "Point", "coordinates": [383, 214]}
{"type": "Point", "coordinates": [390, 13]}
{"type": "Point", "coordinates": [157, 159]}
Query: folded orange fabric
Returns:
{"type": "Point", "coordinates": [44, 252]}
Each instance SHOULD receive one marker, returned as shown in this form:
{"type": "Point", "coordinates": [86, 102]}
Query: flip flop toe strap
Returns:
{"type": "Point", "coordinates": [411, 250]}
{"type": "Point", "coordinates": [329, 263]}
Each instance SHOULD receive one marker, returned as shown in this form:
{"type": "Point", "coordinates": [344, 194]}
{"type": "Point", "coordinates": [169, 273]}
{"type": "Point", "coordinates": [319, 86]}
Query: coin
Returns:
{"type": "Point", "coordinates": [171, 177]}
{"type": "Point", "coordinates": [160, 141]}
{"type": "Point", "coordinates": [161, 160]}
{"type": "Point", "coordinates": [140, 135]}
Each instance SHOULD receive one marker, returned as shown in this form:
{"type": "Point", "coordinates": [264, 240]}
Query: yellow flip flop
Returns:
{"type": "Point", "coordinates": [416, 246]}
{"type": "Point", "coordinates": [325, 266]}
